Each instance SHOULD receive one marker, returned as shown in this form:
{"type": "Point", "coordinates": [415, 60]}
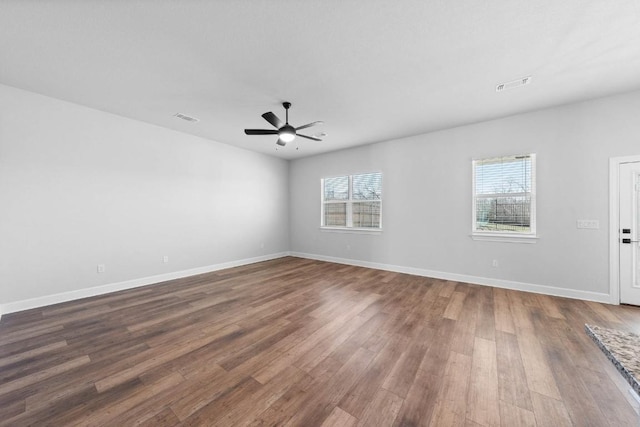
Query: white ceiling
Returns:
{"type": "Point", "coordinates": [371, 70]}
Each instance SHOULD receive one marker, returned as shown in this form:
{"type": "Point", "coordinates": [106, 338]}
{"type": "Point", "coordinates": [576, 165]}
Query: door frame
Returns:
{"type": "Point", "coordinates": [614, 225]}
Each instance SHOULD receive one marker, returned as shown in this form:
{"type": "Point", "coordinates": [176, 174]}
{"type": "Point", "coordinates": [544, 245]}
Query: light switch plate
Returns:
{"type": "Point", "coordinates": [592, 224]}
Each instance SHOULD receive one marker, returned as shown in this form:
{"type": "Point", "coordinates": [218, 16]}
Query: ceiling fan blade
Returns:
{"type": "Point", "coordinates": [281, 142]}
{"type": "Point", "coordinates": [309, 137]}
{"type": "Point", "coordinates": [260, 131]}
{"type": "Point", "coordinates": [273, 119]}
{"type": "Point", "coordinates": [308, 125]}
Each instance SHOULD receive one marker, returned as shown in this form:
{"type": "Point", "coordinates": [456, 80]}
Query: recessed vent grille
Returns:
{"type": "Point", "coordinates": [185, 117]}
{"type": "Point", "coordinates": [513, 84]}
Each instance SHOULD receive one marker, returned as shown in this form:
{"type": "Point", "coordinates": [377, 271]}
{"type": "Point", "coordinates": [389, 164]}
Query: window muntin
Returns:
{"type": "Point", "coordinates": [504, 195]}
{"type": "Point", "coordinates": [352, 201]}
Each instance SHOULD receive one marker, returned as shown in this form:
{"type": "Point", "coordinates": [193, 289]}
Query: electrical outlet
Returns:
{"type": "Point", "coordinates": [165, 258]}
{"type": "Point", "coordinates": [592, 224]}
{"type": "Point", "coordinates": [101, 268]}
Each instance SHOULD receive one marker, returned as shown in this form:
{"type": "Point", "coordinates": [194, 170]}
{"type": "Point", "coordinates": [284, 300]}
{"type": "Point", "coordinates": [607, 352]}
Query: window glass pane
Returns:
{"type": "Point", "coordinates": [503, 214]}
{"type": "Point", "coordinates": [503, 175]}
{"type": "Point", "coordinates": [336, 188]}
{"type": "Point", "coordinates": [367, 186]}
{"type": "Point", "coordinates": [335, 214]}
{"type": "Point", "coordinates": [366, 214]}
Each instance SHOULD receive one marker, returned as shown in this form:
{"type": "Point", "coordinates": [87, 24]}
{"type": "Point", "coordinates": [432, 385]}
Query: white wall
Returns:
{"type": "Point", "coordinates": [427, 199]}
{"type": "Point", "coordinates": [79, 187]}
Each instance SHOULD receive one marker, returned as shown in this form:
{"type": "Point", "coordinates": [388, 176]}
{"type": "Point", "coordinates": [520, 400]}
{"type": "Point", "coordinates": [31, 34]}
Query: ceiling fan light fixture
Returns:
{"type": "Point", "coordinates": [287, 133]}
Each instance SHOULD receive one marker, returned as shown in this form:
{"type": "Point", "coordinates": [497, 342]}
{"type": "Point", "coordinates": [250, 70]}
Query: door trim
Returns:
{"type": "Point", "coordinates": [614, 224]}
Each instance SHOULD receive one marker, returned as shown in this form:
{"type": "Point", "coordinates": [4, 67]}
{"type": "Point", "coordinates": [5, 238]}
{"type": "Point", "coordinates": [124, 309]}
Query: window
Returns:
{"type": "Point", "coordinates": [352, 201]}
{"type": "Point", "coordinates": [504, 196]}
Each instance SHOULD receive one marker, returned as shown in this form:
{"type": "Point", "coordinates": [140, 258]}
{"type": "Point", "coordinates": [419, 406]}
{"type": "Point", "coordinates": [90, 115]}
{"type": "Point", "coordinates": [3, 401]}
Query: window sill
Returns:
{"type": "Point", "coordinates": [505, 237]}
{"type": "Point", "coordinates": [352, 230]}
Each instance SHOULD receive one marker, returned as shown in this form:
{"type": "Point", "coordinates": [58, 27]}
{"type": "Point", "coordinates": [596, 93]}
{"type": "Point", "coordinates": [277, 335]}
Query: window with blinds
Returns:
{"type": "Point", "coordinates": [352, 201]}
{"type": "Point", "coordinates": [504, 195]}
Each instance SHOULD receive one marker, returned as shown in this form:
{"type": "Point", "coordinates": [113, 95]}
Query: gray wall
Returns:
{"type": "Point", "coordinates": [79, 187]}
{"type": "Point", "coordinates": [427, 198]}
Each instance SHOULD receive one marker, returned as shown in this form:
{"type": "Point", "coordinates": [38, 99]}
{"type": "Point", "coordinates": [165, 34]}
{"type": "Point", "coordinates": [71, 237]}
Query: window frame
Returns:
{"type": "Point", "coordinates": [349, 205]}
{"type": "Point", "coordinates": [505, 235]}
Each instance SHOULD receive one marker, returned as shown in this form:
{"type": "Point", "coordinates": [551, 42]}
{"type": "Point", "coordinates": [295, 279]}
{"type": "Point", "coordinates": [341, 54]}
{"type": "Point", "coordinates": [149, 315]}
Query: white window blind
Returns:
{"type": "Point", "coordinates": [352, 201]}
{"type": "Point", "coordinates": [504, 195]}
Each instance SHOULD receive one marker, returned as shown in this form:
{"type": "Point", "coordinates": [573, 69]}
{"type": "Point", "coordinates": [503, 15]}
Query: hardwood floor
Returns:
{"type": "Point", "coordinates": [307, 343]}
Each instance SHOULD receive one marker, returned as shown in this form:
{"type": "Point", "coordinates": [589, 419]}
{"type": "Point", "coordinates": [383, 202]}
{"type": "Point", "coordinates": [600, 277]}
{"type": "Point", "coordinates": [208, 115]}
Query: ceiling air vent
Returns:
{"type": "Point", "coordinates": [513, 84]}
{"type": "Point", "coordinates": [185, 117]}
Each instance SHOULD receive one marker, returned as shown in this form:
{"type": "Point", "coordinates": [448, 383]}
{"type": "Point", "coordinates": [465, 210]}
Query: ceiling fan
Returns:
{"type": "Point", "coordinates": [286, 132]}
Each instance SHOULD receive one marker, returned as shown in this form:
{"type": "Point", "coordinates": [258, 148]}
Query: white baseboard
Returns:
{"type": "Point", "coordinates": [486, 281]}
{"type": "Point", "coordinates": [129, 284]}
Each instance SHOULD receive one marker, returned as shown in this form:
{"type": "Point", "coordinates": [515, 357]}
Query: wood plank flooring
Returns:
{"type": "Point", "coordinates": [306, 343]}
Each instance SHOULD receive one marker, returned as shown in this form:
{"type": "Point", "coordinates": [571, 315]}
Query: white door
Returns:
{"type": "Point", "coordinates": [629, 179]}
